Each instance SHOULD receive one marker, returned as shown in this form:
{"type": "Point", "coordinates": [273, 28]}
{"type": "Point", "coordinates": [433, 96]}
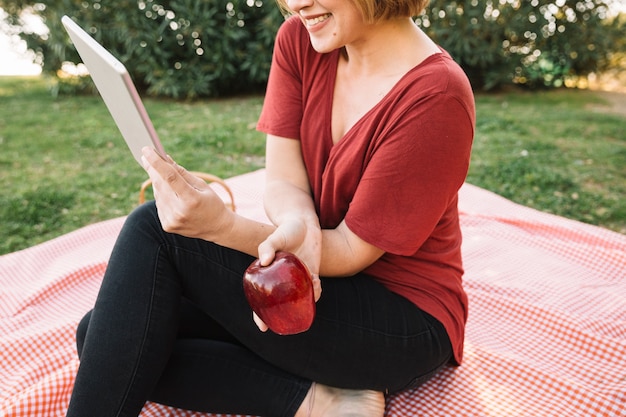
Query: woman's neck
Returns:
{"type": "Point", "coordinates": [391, 47]}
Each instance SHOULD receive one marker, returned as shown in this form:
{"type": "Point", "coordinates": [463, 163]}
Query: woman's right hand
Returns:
{"type": "Point", "coordinates": [302, 238]}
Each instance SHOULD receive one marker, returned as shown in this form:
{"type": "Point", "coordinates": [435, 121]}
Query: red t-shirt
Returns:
{"type": "Point", "coordinates": [395, 174]}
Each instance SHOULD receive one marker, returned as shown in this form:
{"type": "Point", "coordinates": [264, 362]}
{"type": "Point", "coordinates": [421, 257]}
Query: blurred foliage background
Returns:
{"type": "Point", "coordinates": [178, 48]}
{"type": "Point", "coordinates": [535, 43]}
{"type": "Point", "coordinates": [190, 49]}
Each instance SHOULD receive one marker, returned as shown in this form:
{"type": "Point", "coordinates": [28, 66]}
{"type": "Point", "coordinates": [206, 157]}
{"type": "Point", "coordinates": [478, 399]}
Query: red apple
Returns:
{"type": "Point", "coordinates": [281, 293]}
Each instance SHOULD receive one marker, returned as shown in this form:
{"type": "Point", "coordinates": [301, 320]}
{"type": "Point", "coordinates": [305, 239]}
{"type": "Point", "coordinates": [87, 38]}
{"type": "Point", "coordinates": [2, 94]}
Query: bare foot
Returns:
{"type": "Point", "coordinates": [325, 401]}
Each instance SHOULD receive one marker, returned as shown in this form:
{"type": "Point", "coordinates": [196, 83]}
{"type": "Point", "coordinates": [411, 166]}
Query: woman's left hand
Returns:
{"type": "Point", "coordinates": [186, 204]}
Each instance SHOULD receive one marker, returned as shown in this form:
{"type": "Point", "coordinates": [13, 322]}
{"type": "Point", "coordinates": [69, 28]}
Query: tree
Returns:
{"type": "Point", "coordinates": [190, 48]}
{"type": "Point", "coordinates": [535, 43]}
{"type": "Point", "coordinates": [176, 48]}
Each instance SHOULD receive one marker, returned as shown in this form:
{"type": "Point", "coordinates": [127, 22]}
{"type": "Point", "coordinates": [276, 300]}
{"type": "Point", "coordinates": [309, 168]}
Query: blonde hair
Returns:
{"type": "Point", "coordinates": [373, 10]}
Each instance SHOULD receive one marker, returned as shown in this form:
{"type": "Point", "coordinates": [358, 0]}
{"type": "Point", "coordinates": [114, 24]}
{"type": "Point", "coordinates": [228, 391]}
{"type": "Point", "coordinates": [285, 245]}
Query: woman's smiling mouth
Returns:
{"type": "Point", "coordinates": [317, 20]}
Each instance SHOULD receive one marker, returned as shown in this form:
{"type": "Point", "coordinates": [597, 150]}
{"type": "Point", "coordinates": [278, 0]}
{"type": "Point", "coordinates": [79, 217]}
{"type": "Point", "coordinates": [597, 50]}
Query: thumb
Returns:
{"type": "Point", "coordinates": [267, 250]}
{"type": "Point", "coordinates": [260, 323]}
{"type": "Point", "coordinates": [273, 243]}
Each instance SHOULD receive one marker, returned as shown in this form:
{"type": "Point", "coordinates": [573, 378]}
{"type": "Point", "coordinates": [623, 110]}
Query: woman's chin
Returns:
{"type": "Point", "coordinates": [323, 47]}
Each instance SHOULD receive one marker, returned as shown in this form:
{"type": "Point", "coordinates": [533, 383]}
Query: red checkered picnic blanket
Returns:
{"type": "Point", "coordinates": [546, 334]}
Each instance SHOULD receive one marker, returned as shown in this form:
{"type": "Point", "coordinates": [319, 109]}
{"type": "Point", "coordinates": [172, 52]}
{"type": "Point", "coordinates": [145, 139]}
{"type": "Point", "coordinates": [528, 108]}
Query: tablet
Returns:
{"type": "Point", "coordinates": [117, 90]}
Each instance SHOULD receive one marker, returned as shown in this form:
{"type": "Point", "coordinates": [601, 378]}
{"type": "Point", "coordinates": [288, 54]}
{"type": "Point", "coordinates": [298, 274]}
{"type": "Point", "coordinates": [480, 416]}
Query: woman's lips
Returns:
{"type": "Point", "coordinates": [310, 22]}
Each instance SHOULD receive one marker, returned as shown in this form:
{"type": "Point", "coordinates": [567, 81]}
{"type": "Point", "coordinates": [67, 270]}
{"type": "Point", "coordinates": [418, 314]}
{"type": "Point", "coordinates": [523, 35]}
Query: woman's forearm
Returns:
{"type": "Point", "coordinates": [242, 234]}
{"type": "Point", "coordinates": [343, 252]}
{"type": "Point", "coordinates": [288, 196]}
{"type": "Point", "coordinates": [283, 199]}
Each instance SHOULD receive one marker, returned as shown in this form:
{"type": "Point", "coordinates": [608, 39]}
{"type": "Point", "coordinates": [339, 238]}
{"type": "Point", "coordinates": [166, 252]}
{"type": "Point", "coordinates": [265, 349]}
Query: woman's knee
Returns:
{"type": "Point", "coordinates": [81, 333]}
{"type": "Point", "coordinates": [146, 212]}
{"type": "Point", "coordinates": [142, 221]}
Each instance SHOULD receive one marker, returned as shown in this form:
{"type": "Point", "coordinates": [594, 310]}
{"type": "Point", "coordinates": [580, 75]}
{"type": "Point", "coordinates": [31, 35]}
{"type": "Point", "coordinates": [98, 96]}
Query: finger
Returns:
{"type": "Point", "coordinates": [317, 286]}
{"type": "Point", "coordinates": [267, 252]}
{"type": "Point", "coordinates": [196, 182]}
{"type": "Point", "coordinates": [260, 323]}
{"type": "Point", "coordinates": [145, 163]}
{"type": "Point", "coordinates": [165, 170]}
{"type": "Point", "coordinates": [191, 179]}
{"type": "Point", "coordinates": [152, 174]}
{"type": "Point", "coordinates": [152, 162]}
{"type": "Point", "coordinates": [268, 248]}
{"type": "Point", "coordinates": [150, 155]}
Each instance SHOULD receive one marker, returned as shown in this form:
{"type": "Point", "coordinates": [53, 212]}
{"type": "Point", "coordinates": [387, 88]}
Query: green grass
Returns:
{"type": "Point", "coordinates": [554, 152]}
{"type": "Point", "coordinates": [64, 165]}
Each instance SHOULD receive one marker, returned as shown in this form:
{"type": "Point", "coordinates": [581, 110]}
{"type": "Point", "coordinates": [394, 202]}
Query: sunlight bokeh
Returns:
{"type": "Point", "coordinates": [15, 59]}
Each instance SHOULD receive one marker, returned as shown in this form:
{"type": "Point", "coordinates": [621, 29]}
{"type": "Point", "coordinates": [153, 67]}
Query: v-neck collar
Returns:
{"type": "Point", "coordinates": [328, 137]}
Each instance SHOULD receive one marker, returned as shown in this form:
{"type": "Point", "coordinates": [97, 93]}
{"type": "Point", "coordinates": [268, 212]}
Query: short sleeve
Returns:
{"type": "Point", "coordinates": [413, 177]}
{"type": "Point", "coordinates": [282, 108]}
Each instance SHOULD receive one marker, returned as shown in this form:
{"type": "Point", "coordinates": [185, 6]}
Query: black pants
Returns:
{"type": "Point", "coordinates": [171, 324]}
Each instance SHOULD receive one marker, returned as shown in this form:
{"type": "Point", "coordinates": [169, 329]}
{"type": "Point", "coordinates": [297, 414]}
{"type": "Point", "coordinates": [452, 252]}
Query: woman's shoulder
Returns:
{"type": "Point", "coordinates": [438, 75]}
{"type": "Point", "coordinates": [440, 72]}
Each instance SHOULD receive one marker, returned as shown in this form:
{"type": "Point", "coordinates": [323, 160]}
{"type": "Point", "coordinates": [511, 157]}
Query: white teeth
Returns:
{"type": "Point", "coordinates": [313, 22]}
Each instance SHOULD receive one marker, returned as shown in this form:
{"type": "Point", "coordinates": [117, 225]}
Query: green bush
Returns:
{"type": "Point", "coordinates": [190, 48]}
{"type": "Point", "coordinates": [537, 43]}
{"type": "Point", "coordinates": [176, 48]}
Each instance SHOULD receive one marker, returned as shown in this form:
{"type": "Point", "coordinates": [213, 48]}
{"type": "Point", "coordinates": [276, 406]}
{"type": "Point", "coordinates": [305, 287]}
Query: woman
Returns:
{"type": "Point", "coordinates": [369, 128]}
